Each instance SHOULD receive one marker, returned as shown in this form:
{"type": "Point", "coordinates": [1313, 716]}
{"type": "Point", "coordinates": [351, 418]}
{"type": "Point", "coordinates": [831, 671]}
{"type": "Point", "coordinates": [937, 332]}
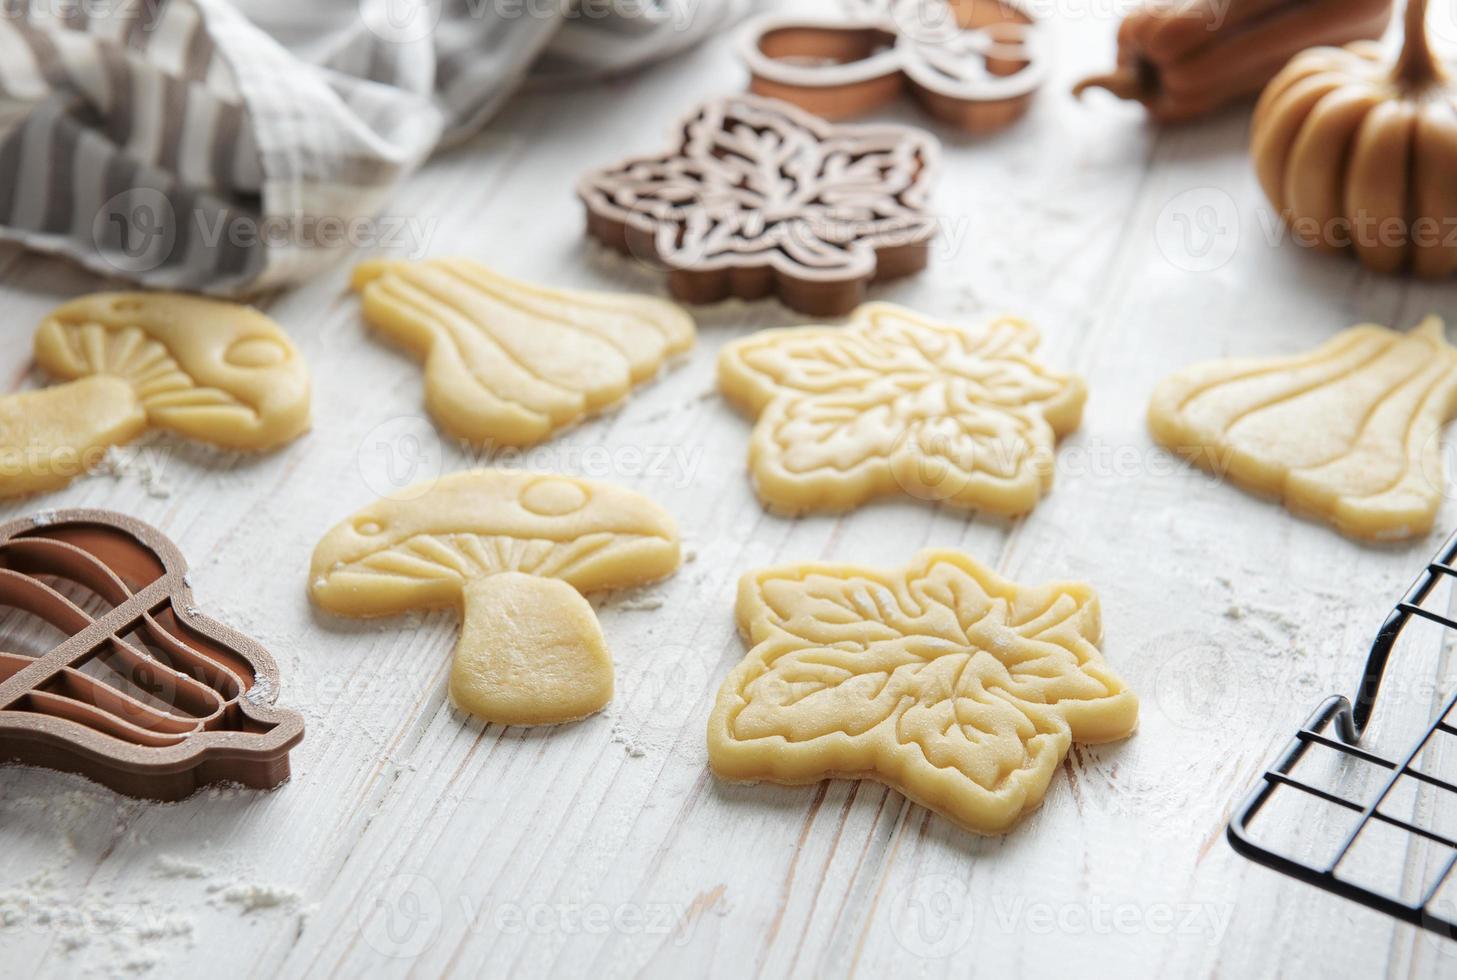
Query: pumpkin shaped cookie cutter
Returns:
{"type": "Point", "coordinates": [971, 63]}
{"type": "Point", "coordinates": [146, 696]}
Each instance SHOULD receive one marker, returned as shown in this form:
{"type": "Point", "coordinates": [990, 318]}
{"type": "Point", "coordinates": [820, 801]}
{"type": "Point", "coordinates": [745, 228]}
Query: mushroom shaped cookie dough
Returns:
{"type": "Point", "coordinates": [509, 363]}
{"type": "Point", "coordinates": [209, 370]}
{"type": "Point", "coordinates": [515, 551]}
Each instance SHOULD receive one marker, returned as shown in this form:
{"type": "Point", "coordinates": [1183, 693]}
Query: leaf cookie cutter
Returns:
{"type": "Point", "coordinates": [971, 63]}
{"type": "Point", "coordinates": [1338, 726]}
{"type": "Point", "coordinates": [759, 198]}
{"type": "Point", "coordinates": [148, 697]}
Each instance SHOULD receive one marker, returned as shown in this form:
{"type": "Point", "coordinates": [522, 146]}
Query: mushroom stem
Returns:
{"type": "Point", "coordinates": [50, 436]}
{"type": "Point", "coordinates": [1416, 66]}
{"type": "Point", "coordinates": [530, 652]}
{"type": "Point", "coordinates": [1125, 81]}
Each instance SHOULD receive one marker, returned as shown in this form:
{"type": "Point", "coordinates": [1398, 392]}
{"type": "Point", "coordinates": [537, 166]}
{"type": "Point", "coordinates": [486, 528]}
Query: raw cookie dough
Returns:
{"type": "Point", "coordinates": [509, 363]}
{"type": "Point", "coordinates": [210, 370]}
{"type": "Point", "coordinates": [1349, 433]}
{"type": "Point", "coordinates": [956, 687]}
{"type": "Point", "coordinates": [514, 551]}
{"type": "Point", "coordinates": [895, 402]}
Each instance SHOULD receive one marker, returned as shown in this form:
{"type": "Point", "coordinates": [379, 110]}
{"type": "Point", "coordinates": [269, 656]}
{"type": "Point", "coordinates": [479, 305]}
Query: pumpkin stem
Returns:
{"type": "Point", "coordinates": [1416, 66]}
{"type": "Point", "coordinates": [1125, 81]}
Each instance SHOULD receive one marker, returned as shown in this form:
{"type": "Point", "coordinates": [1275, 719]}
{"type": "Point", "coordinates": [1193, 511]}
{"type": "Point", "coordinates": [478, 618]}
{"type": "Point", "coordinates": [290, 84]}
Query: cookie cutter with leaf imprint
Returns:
{"type": "Point", "coordinates": [971, 63]}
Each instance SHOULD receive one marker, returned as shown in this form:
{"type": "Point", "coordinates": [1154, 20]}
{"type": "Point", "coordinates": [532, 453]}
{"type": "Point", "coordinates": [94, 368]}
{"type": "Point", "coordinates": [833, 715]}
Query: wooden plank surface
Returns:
{"type": "Point", "coordinates": [413, 840]}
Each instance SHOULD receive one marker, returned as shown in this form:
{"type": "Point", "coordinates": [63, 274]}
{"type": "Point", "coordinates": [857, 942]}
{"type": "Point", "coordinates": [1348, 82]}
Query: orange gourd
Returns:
{"type": "Point", "coordinates": [1185, 58]}
{"type": "Point", "coordinates": [1358, 151]}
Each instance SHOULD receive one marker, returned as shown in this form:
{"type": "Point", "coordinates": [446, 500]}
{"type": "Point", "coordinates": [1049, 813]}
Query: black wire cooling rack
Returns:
{"type": "Point", "coordinates": [1338, 725]}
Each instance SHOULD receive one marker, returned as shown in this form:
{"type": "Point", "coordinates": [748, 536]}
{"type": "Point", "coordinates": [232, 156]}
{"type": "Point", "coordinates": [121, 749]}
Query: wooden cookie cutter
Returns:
{"type": "Point", "coordinates": [148, 697]}
{"type": "Point", "coordinates": [970, 63]}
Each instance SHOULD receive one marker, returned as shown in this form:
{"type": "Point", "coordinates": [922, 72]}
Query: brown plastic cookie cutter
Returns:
{"type": "Point", "coordinates": [759, 198]}
{"type": "Point", "coordinates": [970, 63]}
{"type": "Point", "coordinates": [149, 697]}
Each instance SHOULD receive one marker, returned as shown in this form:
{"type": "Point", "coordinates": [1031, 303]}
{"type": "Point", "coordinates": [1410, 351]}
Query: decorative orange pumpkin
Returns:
{"type": "Point", "coordinates": [1357, 151]}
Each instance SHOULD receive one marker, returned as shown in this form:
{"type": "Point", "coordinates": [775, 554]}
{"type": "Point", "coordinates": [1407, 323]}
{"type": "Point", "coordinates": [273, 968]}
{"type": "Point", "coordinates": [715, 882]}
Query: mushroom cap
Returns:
{"type": "Point", "coordinates": [420, 548]}
{"type": "Point", "coordinates": [212, 370]}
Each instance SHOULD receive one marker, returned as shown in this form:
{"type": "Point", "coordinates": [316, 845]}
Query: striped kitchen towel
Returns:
{"type": "Point", "coordinates": [230, 147]}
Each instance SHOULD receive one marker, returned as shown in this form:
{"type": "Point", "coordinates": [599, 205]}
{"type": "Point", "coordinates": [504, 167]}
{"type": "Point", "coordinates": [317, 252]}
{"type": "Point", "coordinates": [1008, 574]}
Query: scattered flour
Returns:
{"type": "Point", "coordinates": [105, 935]}
{"type": "Point", "coordinates": [140, 463]}
{"type": "Point", "coordinates": [646, 603]}
{"type": "Point", "coordinates": [169, 866]}
{"type": "Point", "coordinates": [630, 744]}
{"type": "Point", "coordinates": [250, 897]}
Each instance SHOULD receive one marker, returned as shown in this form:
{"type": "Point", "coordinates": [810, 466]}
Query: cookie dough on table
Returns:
{"type": "Point", "coordinates": [514, 551]}
{"type": "Point", "coordinates": [218, 372]}
{"type": "Point", "coordinates": [509, 363]}
{"type": "Point", "coordinates": [960, 689]}
{"type": "Point", "coordinates": [895, 402]}
{"type": "Point", "coordinates": [1349, 433]}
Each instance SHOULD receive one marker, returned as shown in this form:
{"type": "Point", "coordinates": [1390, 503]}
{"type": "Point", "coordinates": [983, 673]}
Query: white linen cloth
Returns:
{"type": "Point", "coordinates": [229, 147]}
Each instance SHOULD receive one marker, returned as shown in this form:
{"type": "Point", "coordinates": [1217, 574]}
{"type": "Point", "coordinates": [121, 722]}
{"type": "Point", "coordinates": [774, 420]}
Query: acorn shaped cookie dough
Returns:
{"type": "Point", "coordinates": [217, 372]}
{"type": "Point", "coordinates": [1357, 151]}
{"type": "Point", "coordinates": [514, 551]}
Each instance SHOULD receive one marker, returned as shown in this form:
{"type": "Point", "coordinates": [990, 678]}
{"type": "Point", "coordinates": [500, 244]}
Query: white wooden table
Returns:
{"type": "Point", "coordinates": [413, 840]}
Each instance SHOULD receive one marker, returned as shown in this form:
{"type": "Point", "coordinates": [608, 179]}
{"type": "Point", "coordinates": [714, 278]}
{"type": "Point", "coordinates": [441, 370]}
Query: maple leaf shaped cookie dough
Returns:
{"type": "Point", "coordinates": [759, 198]}
{"type": "Point", "coordinates": [1349, 433]}
{"type": "Point", "coordinates": [895, 402]}
{"type": "Point", "coordinates": [956, 687]}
